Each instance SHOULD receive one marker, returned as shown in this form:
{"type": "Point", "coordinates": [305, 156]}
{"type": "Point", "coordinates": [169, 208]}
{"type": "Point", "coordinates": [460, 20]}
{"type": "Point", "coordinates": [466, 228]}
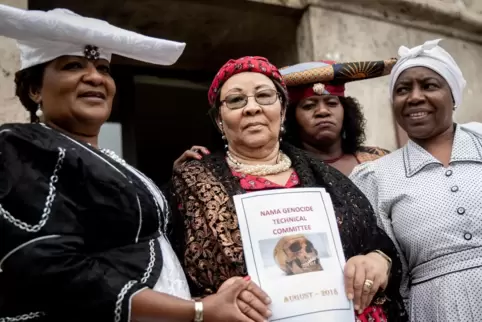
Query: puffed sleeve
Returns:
{"type": "Point", "coordinates": [474, 127]}
{"type": "Point", "coordinates": [364, 177]}
{"type": "Point", "coordinates": [44, 255]}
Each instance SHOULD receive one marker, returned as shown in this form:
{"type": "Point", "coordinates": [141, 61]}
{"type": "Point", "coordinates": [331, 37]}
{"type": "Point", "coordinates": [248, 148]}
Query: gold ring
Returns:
{"type": "Point", "coordinates": [368, 284]}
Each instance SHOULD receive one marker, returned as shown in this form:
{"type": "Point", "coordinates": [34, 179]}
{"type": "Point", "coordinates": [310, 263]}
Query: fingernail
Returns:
{"type": "Point", "coordinates": [360, 311]}
{"type": "Point", "coordinates": [357, 307]}
{"type": "Point", "coordinates": [207, 152]}
{"type": "Point", "coordinates": [247, 278]}
{"type": "Point", "coordinates": [350, 296]}
{"type": "Point", "coordinates": [199, 157]}
{"type": "Point", "coordinates": [269, 313]}
{"type": "Point", "coordinates": [267, 300]}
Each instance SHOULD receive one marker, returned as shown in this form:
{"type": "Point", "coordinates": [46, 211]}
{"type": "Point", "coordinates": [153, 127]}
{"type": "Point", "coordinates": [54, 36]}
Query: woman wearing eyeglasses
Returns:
{"type": "Point", "coordinates": [321, 118]}
{"type": "Point", "coordinates": [249, 100]}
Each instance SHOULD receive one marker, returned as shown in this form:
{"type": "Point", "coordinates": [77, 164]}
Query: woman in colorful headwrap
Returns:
{"type": "Point", "coordinates": [249, 100]}
{"type": "Point", "coordinates": [83, 233]}
{"type": "Point", "coordinates": [321, 119]}
{"type": "Point", "coordinates": [427, 195]}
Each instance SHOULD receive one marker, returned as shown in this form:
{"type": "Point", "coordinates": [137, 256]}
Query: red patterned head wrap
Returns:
{"type": "Point", "coordinates": [253, 64]}
{"type": "Point", "coordinates": [328, 77]}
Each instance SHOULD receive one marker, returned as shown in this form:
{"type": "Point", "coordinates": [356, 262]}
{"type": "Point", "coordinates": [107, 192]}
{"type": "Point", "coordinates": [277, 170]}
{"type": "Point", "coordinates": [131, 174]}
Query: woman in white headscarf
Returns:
{"type": "Point", "coordinates": [83, 233]}
{"type": "Point", "coordinates": [427, 195]}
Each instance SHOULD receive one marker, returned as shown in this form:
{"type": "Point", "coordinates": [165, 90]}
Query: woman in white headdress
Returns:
{"type": "Point", "coordinates": [427, 195]}
{"type": "Point", "coordinates": [82, 233]}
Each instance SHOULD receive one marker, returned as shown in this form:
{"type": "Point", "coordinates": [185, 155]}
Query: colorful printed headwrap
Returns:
{"type": "Point", "coordinates": [254, 64]}
{"type": "Point", "coordinates": [328, 77]}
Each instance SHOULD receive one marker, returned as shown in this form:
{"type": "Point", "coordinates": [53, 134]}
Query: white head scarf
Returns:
{"type": "Point", "coordinates": [434, 57]}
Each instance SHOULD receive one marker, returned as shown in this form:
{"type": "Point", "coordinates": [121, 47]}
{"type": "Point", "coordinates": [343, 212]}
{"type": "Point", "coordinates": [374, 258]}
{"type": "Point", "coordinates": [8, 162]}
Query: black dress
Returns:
{"type": "Point", "coordinates": [207, 235]}
{"type": "Point", "coordinates": [78, 231]}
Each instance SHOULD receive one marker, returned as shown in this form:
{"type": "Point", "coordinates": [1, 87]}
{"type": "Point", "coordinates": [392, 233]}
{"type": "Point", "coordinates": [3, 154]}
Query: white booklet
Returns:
{"type": "Point", "coordinates": [293, 251]}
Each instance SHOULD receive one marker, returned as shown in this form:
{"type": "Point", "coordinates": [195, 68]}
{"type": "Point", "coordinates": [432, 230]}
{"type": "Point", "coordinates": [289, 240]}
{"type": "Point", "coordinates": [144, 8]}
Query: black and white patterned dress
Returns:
{"type": "Point", "coordinates": [434, 216]}
{"type": "Point", "coordinates": [80, 231]}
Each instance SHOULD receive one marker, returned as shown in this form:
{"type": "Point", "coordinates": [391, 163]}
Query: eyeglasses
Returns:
{"type": "Point", "coordinates": [264, 97]}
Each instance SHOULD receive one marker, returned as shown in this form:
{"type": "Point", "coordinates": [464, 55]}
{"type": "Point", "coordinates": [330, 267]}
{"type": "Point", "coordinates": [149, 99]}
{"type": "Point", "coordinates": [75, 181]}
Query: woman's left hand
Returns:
{"type": "Point", "coordinates": [196, 152]}
{"type": "Point", "coordinates": [364, 276]}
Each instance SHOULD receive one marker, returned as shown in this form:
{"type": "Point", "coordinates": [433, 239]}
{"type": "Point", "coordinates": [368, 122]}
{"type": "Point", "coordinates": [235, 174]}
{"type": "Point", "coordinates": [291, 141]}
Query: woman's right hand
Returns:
{"type": "Point", "coordinates": [238, 300]}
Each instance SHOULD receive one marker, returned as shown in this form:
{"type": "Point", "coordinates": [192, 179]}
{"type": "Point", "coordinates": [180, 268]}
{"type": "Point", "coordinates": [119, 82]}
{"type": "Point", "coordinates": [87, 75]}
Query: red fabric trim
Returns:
{"type": "Point", "coordinates": [299, 93]}
{"type": "Point", "coordinates": [372, 314]}
{"type": "Point", "coordinates": [252, 183]}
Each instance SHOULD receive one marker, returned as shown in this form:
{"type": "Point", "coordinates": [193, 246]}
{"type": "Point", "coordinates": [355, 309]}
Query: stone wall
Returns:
{"type": "Point", "coordinates": [10, 108]}
{"type": "Point", "coordinates": [349, 30]}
